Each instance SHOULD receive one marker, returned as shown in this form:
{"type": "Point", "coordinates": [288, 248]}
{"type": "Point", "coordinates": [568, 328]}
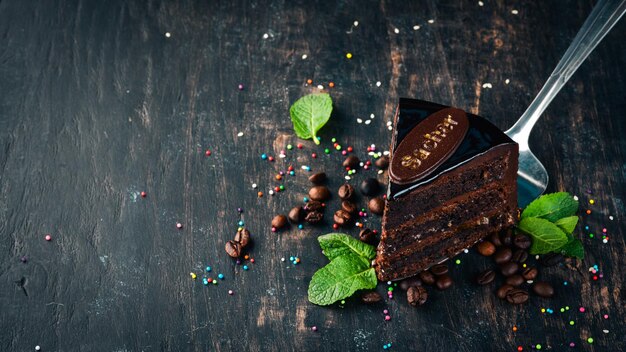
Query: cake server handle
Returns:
{"type": "Point", "coordinates": [604, 16]}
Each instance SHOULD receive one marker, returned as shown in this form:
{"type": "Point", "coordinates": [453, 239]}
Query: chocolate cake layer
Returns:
{"type": "Point", "coordinates": [411, 261]}
{"type": "Point", "coordinates": [436, 193]}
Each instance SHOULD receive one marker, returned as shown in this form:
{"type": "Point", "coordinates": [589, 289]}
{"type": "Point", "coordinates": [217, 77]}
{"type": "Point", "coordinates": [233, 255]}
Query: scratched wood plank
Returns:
{"type": "Point", "coordinates": [97, 105]}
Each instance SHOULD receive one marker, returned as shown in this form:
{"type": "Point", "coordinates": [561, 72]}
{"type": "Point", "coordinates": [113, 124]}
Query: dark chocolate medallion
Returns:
{"type": "Point", "coordinates": [428, 145]}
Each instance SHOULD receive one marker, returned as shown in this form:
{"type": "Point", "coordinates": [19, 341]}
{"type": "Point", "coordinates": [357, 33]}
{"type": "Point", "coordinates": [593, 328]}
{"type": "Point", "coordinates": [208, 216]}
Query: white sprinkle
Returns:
{"type": "Point", "coordinates": [605, 331]}
{"type": "Point", "coordinates": [371, 153]}
{"type": "Point", "coordinates": [480, 3]}
{"type": "Point", "coordinates": [390, 128]}
{"type": "Point", "coordinates": [254, 186]}
{"type": "Point", "coordinates": [507, 81]}
{"type": "Point", "coordinates": [361, 164]}
{"type": "Point", "coordinates": [466, 251]}
{"type": "Point", "coordinates": [372, 116]}
{"type": "Point", "coordinates": [37, 348]}
{"type": "Point", "coordinates": [359, 120]}
{"type": "Point", "coordinates": [386, 152]}
{"type": "Point", "coordinates": [396, 30]}
{"type": "Point", "coordinates": [304, 56]}
{"type": "Point", "coordinates": [367, 122]}
{"type": "Point", "coordinates": [389, 123]}
{"type": "Point", "coordinates": [611, 217]}
{"type": "Point", "coordinates": [431, 21]}
{"type": "Point", "coordinates": [348, 178]}
{"type": "Point", "coordinates": [515, 12]}
{"type": "Point", "coordinates": [168, 34]}
{"type": "Point", "coordinates": [416, 27]}
{"type": "Point", "coordinates": [271, 192]}
{"type": "Point", "coordinates": [282, 259]}
{"type": "Point", "coordinates": [380, 172]}
{"type": "Point", "coordinates": [303, 167]}
{"type": "Point", "coordinates": [282, 156]}
{"type": "Point", "coordinates": [240, 134]}
{"type": "Point", "coordinates": [373, 146]}
{"type": "Point", "coordinates": [575, 197]}
{"type": "Point", "coordinates": [487, 85]}
{"type": "Point", "coordinates": [356, 23]}
{"type": "Point", "coordinates": [530, 281]}
{"type": "Point", "coordinates": [537, 257]}
{"type": "Point", "coordinates": [378, 84]}
{"type": "Point", "coordinates": [320, 86]}
{"type": "Point", "coordinates": [265, 36]}
{"type": "Point", "coordinates": [605, 241]}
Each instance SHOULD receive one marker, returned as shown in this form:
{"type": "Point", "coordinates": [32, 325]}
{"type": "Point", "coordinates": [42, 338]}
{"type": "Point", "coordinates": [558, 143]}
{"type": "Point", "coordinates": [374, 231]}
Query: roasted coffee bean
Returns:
{"type": "Point", "coordinates": [519, 256]}
{"type": "Point", "coordinates": [314, 217]}
{"type": "Point", "coordinates": [517, 296]}
{"type": "Point", "coordinates": [508, 269]}
{"type": "Point", "coordinates": [233, 249]}
{"type": "Point", "coordinates": [427, 277]}
{"type": "Point", "coordinates": [502, 255]}
{"type": "Point", "coordinates": [495, 239]}
{"type": "Point", "coordinates": [521, 241]}
{"type": "Point", "coordinates": [296, 214]}
{"type": "Point", "coordinates": [371, 297]}
{"type": "Point", "coordinates": [543, 289]}
{"type": "Point", "coordinates": [342, 217]}
{"type": "Point", "coordinates": [319, 193]}
{"type": "Point", "coordinates": [279, 221]}
{"type": "Point", "coordinates": [550, 259]}
{"type": "Point", "coordinates": [345, 191]}
{"type": "Point", "coordinates": [514, 280]}
{"type": "Point", "coordinates": [486, 277]}
{"type": "Point", "coordinates": [369, 187]}
{"type": "Point", "coordinates": [314, 205]}
{"type": "Point", "coordinates": [410, 282]}
{"type": "Point", "coordinates": [486, 248]}
{"type": "Point", "coordinates": [439, 269]}
{"type": "Point", "coordinates": [507, 237]}
{"type": "Point", "coordinates": [416, 295]}
{"type": "Point", "coordinates": [382, 162]}
{"type": "Point", "coordinates": [443, 282]}
{"type": "Point", "coordinates": [503, 291]}
{"type": "Point", "coordinates": [366, 235]}
{"type": "Point", "coordinates": [349, 207]}
{"type": "Point", "coordinates": [530, 273]}
{"type": "Point", "coordinates": [352, 162]}
{"type": "Point", "coordinates": [376, 205]}
{"type": "Point", "coordinates": [318, 178]}
{"type": "Point", "coordinates": [242, 237]}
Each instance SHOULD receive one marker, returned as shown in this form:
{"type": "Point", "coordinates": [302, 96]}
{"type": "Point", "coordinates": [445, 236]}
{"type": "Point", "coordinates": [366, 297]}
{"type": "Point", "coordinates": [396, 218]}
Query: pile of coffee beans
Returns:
{"type": "Point", "coordinates": [313, 210]}
{"type": "Point", "coordinates": [510, 253]}
{"type": "Point", "coordinates": [235, 246]}
{"type": "Point", "coordinates": [416, 292]}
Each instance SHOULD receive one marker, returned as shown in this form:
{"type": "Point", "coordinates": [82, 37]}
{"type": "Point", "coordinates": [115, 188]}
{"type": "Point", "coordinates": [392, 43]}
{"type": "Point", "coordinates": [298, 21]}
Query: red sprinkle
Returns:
{"type": "Point", "coordinates": [143, 194]}
{"type": "Point", "coordinates": [207, 153]}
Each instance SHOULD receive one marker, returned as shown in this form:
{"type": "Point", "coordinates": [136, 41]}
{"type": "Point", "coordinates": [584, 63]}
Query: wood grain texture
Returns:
{"type": "Point", "coordinates": [97, 105]}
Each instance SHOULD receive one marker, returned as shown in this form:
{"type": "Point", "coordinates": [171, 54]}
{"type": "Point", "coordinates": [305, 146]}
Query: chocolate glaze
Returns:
{"type": "Point", "coordinates": [481, 137]}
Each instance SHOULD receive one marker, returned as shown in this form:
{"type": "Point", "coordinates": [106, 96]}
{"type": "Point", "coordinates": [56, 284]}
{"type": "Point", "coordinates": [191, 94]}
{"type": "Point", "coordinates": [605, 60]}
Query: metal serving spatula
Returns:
{"type": "Point", "coordinates": [532, 177]}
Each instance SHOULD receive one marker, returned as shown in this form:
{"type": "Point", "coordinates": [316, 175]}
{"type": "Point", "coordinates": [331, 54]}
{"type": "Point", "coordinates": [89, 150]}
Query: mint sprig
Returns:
{"type": "Point", "coordinates": [310, 113]}
{"type": "Point", "coordinates": [550, 220]}
{"type": "Point", "coordinates": [349, 269]}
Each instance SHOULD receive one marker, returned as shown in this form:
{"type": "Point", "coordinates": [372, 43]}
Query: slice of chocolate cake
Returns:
{"type": "Point", "coordinates": [452, 181]}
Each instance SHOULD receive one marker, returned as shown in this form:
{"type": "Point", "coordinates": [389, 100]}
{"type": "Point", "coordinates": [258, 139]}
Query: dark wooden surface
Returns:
{"type": "Point", "coordinates": [97, 105]}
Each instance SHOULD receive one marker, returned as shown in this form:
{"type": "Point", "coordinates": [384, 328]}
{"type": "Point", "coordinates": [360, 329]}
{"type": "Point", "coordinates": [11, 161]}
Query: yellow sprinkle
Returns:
{"type": "Point", "coordinates": [591, 201]}
{"type": "Point", "coordinates": [349, 55]}
{"type": "Point", "coordinates": [193, 276]}
{"type": "Point", "coordinates": [543, 310]}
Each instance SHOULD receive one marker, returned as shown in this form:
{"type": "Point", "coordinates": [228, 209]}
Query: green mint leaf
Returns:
{"type": "Point", "coordinates": [573, 248]}
{"type": "Point", "coordinates": [337, 244]}
{"type": "Point", "coordinates": [551, 207]}
{"type": "Point", "coordinates": [310, 113]}
{"type": "Point", "coordinates": [340, 279]}
{"type": "Point", "coordinates": [567, 224]}
{"type": "Point", "coordinates": [547, 237]}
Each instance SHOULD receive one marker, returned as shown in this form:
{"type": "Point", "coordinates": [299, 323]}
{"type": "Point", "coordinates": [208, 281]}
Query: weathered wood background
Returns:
{"type": "Point", "coordinates": [97, 104]}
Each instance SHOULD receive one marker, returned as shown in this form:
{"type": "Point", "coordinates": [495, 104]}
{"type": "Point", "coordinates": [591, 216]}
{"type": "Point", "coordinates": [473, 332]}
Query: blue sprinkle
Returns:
{"type": "Point", "coordinates": [208, 269]}
{"type": "Point", "coordinates": [240, 223]}
{"type": "Point", "coordinates": [263, 156]}
{"type": "Point", "coordinates": [220, 276]}
{"type": "Point", "coordinates": [292, 258]}
{"type": "Point", "coordinates": [586, 227]}
{"type": "Point", "coordinates": [565, 283]}
{"type": "Point", "coordinates": [245, 267]}
{"type": "Point", "coordinates": [292, 173]}
{"type": "Point", "coordinates": [300, 226]}
{"type": "Point", "coordinates": [205, 281]}
{"type": "Point", "coordinates": [305, 199]}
